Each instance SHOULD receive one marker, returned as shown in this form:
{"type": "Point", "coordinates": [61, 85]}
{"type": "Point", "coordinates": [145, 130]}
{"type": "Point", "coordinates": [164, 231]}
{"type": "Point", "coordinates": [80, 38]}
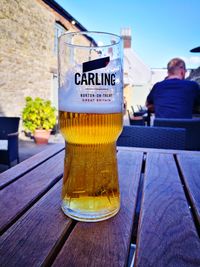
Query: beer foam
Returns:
{"type": "Point", "coordinates": [70, 95]}
{"type": "Point", "coordinates": [69, 102]}
{"type": "Point", "coordinates": [92, 108]}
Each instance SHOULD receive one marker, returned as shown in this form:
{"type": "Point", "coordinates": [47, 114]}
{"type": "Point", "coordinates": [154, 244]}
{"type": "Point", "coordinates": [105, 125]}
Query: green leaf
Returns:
{"type": "Point", "coordinates": [38, 114]}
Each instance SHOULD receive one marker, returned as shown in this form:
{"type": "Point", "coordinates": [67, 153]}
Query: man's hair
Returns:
{"type": "Point", "coordinates": [175, 64]}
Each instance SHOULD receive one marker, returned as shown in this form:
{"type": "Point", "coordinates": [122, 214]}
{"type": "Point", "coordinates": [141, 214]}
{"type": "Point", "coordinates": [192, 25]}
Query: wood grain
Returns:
{"type": "Point", "coordinates": [166, 234]}
{"type": "Point", "coordinates": [190, 169]}
{"type": "Point", "coordinates": [18, 196]}
{"type": "Point", "coordinates": [158, 150]}
{"type": "Point", "coordinates": [37, 234]}
{"type": "Point", "coordinates": [41, 235]}
{"type": "Point", "coordinates": [18, 170]}
{"type": "Point", "coordinates": [107, 243]}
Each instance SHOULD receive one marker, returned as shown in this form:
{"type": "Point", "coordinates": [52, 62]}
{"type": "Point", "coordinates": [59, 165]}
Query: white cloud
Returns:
{"type": "Point", "coordinates": [192, 61]}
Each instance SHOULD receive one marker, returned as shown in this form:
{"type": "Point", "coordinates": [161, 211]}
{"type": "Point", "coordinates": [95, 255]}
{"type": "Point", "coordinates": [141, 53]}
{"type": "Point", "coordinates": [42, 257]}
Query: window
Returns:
{"type": "Point", "coordinates": [58, 30]}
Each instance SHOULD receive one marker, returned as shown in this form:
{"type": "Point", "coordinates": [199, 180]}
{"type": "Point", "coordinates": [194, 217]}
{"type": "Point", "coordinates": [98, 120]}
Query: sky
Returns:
{"type": "Point", "coordinates": [160, 29]}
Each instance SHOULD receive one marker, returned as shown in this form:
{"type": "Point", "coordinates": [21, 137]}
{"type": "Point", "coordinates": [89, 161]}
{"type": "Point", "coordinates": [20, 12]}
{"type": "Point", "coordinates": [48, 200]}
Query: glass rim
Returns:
{"type": "Point", "coordinates": [89, 37]}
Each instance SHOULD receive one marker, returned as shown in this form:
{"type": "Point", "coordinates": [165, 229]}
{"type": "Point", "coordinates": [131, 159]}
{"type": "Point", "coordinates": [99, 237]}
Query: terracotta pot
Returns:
{"type": "Point", "coordinates": [41, 136]}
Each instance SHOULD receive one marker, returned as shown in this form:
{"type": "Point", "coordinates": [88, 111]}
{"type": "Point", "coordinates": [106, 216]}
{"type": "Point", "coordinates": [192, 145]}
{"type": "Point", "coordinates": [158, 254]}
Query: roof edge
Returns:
{"type": "Point", "coordinates": [54, 5]}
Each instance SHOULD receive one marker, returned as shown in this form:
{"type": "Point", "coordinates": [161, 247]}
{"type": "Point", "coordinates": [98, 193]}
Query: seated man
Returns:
{"type": "Point", "coordinates": [174, 97]}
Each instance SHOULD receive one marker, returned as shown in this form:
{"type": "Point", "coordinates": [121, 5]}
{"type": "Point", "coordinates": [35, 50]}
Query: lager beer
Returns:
{"type": "Point", "coordinates": [90, 119]}
{"type": "Point", "coordinates": [90, 179]}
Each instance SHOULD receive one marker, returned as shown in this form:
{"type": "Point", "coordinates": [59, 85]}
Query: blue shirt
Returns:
{"type": "Point", "coordinates": [174, 98]}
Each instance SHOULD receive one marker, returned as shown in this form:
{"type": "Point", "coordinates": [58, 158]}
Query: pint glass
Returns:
{"type": "Point", "coordinates": [90, 118]}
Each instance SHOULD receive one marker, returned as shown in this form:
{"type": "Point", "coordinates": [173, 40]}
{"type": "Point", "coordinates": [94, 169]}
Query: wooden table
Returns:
{"type": "Point", "coordinates": [35, 232]}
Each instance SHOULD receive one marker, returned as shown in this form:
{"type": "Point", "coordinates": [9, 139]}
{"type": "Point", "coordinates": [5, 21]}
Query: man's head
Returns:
{"type": "Point", "coordinates": [176, 67]}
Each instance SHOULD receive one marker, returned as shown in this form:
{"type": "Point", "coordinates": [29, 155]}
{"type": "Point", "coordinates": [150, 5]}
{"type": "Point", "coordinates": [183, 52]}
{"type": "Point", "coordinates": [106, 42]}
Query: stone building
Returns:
{"type": "Point", "coordinates": [29, 31]}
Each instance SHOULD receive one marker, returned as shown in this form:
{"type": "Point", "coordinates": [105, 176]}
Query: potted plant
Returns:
{"type": "Point", "coordinates": [39, 117]}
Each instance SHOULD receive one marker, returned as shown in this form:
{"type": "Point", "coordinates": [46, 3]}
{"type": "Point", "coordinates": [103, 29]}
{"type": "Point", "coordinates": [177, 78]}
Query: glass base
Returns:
{"type": "Point", "coordinates": [90, 189]}
{"type": "Point", "coordinates": [88, 216]}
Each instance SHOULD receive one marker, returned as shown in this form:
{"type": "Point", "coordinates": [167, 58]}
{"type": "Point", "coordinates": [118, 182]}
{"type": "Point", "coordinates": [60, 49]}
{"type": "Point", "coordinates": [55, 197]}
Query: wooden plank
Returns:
{"type": "Point", "coordinates": [37, 233]}
{"type": "Point", "coordinates": [20, 169]}
{"type": "Point", "coordinates": [156, 150]}
{"type": "Point", "coordinates": [107, 243]}
{"type": "Point", "coordinates": [16, 197]}
{"type": "Point", "coordinates": [166, 235]}
{"type": "Point", "coordinates": [190, 169]}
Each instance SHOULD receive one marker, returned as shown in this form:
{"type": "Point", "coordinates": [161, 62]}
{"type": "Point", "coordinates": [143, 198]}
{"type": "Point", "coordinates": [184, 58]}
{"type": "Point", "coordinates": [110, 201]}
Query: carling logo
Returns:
{"type": "Point", "coordinates": [96, 64]}
{"type": "Point", "coordinates": [93, 78]}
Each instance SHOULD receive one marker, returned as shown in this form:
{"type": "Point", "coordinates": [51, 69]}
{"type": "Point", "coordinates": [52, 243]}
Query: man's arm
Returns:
{"type": "Point", "coordinates": [150, 107]}
{"type": "Point", "coordinates": [196, 107]}
{"type": "Point", "coordinates": [149, 101]}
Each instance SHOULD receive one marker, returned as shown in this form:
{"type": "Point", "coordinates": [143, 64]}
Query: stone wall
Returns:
{"type": "Point", "coordinates": [27, 57]}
